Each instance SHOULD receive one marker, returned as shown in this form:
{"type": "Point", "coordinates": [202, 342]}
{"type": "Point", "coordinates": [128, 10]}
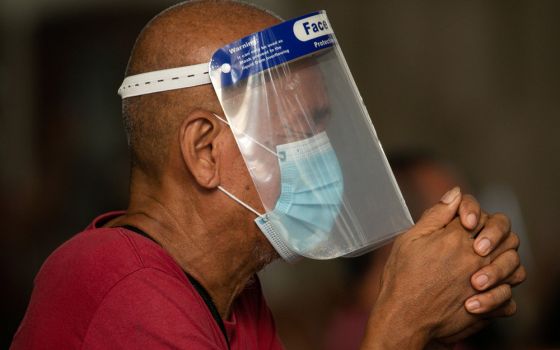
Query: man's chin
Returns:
{"type": "Point", "coordinates": [265, 253]}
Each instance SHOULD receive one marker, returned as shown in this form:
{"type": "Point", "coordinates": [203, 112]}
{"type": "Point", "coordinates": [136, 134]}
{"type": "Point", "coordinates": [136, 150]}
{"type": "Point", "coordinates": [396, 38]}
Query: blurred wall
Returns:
{"type": "Point", "coordinates": [475, 82]}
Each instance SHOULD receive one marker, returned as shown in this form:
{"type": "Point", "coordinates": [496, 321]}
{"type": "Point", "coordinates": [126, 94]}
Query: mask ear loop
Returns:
{"type": "Point", "coordinates": [229, 194]}
{"type": "Point", "coordinates": [247, 136]}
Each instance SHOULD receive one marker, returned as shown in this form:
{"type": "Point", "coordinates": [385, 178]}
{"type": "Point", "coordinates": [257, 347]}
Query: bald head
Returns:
{"type": "Point", "coordinates": [190, 32]}
{"type": "Point", "coordinates": [186, 34]}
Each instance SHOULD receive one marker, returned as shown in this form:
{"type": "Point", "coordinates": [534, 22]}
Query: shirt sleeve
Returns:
{"type": "Point", "coordinates": [151, 309]}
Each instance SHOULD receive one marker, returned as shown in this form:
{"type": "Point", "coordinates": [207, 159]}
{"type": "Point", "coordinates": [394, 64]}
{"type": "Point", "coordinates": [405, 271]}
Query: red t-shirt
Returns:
{"type": "Point", "coordinates": [110, 288]}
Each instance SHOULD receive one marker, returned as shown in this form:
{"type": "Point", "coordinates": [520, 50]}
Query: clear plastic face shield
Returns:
{"type": "Point", "coordinates": [306, 138]}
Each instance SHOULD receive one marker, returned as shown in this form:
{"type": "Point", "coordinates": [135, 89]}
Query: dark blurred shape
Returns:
{"type": "Point", "coordinates": [549, 330]}
{"type": "Point", "coordinates": [423, 178]}
{"type": "Point", "coordinates": [81, 158]}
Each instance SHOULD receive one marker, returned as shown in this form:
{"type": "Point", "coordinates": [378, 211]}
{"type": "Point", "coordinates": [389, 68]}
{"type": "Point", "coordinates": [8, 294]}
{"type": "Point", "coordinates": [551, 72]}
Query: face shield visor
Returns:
{"type": "Point", "coordinates": [306, 138]}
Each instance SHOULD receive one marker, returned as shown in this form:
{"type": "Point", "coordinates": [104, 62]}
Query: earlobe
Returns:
{"type": "Point", "coordinates": [199, 149]}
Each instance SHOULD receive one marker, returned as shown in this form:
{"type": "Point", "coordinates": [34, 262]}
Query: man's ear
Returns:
{"type": "Point", "coordinates": [199, 150]}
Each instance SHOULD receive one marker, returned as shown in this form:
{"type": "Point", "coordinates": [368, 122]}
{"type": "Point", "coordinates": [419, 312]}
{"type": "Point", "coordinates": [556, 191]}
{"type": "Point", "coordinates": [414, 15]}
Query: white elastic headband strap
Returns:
{"type": "Point", "coordinates": [164, 80]}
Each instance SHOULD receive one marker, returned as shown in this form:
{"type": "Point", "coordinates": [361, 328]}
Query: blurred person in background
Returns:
{"type": "Point", "coordinates": [164, 274]}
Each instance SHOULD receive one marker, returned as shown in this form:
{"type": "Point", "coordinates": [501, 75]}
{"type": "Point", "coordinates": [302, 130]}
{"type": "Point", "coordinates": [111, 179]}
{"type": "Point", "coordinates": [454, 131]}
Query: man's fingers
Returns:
{"type": "Point", "coordinates": [517, 277]}
{"type": "Point", "coordinates": [488, 301]}
{"type": "Point", "coordinates": [511, 242]}
{"type": "Point", "coordinates": [497, 271]}
{"type": "Point", "coordinates": [469, 212]}
{"type": "Point", "coordinates": [440, 214]}
{"type": "Point", "coordinates": [497, 229]}
{"type": "Point", "coordinates": [509, 308]}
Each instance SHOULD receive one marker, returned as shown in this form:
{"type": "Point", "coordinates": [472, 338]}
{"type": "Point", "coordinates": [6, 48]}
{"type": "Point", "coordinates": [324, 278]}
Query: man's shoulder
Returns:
{"type": "Point", "coordinates": [92, 253]}
{"type": "Point", "coordinates": [78, 277]}
{"type": "Point", "coordinates": [98, 258]}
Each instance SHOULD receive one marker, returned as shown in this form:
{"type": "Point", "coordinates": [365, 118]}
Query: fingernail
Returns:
{"type": "Point", "coordinates": [481, 280]}
{"type": "Point", "coordinates": [483, 246]}
{"type": "Point", "coordinates": [472, 305]}
{"type": "Point", "coordinates": [450, 196]}
{"type": "Point", "coordinates": [471, 220]}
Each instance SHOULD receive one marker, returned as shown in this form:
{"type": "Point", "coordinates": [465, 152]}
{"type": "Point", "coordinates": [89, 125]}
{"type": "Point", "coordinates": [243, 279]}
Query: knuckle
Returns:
{"type": "Point", "coordinates": [503, 219]}
{"type": "Point", "coordinates": [510, 261]}
{"type": "Point", "coordinates": [504, 292]}
{"type": "Point", "coordinates": [515, 241]}
{"type": "Point", "coordinates": [515, 259]}
{"type": "Point", "coordinates": [520, 275]}
{"type": "Point", "coordinates": [494, 233]}
{"type": "Point", "coordinates": [499, 295]}
{"type": "Point", "coordinates": [471, 202]}
{"type": "Point", "coordinates": [504, 266]}
{"type": "Point", "coordinates": [512, 242]}
{"type": "Point", "coordinates": [511, 308]}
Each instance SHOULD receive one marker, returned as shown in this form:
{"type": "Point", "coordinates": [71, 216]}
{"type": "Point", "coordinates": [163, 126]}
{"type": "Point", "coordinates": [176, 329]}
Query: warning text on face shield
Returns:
{"type": "Point", "coordinates": [245, 45]}
{"type": "Point", "coordinates": [262, 53]}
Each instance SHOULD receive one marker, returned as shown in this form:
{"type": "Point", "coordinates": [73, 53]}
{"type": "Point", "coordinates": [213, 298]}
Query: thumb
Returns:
{"type": "Point", "coordinates": [440, 214]}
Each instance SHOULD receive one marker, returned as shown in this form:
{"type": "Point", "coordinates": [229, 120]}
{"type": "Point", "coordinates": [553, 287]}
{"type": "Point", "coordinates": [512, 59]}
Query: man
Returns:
{"type": "Point", "coordinates": [177, 269]}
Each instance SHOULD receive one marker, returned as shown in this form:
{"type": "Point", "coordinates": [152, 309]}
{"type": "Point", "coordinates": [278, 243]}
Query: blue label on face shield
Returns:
{"type": "Point", "coordinates": [269, 48]}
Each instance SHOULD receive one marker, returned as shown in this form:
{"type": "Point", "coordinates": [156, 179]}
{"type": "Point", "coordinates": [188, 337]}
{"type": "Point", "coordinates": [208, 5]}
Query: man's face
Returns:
{"type": "Point", "coordinates": [279, 106]}
{"type": "Point", "coordinates": [297, 104]}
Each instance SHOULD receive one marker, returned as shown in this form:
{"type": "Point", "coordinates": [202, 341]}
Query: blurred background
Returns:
{"type": "Point", "coordinates": [461, 92]}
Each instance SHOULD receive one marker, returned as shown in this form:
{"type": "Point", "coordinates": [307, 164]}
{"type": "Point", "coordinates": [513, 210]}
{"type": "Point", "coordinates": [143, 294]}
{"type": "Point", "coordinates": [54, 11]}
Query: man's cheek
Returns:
{"type": "Point", "coordinates": [265, 175]}
{"type": "Point", "coordinates": [269, 190]}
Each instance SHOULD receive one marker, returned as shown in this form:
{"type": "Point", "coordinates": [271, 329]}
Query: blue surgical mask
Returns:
{"type": "Point", "coordinates": [311, 188]}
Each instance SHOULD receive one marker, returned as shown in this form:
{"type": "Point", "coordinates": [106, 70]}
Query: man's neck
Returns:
{"type": "Point", "coordinates": [200, 247]}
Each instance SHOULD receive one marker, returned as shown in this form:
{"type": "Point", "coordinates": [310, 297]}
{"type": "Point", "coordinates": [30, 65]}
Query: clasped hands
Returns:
{"type": "Point", "coordinates": [446, 277]}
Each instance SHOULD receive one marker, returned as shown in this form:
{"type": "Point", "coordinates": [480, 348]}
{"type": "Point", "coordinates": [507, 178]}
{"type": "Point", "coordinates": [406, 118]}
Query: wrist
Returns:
{"type": "Point", "coordinates": [391, 326]}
